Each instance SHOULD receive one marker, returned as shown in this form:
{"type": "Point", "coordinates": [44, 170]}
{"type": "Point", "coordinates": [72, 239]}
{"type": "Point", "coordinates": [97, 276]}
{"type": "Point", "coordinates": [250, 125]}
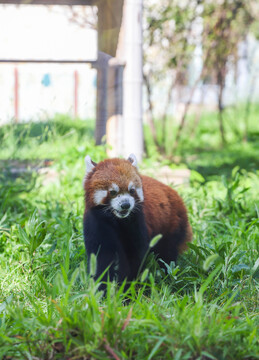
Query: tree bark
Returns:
{"type": "Point", "coordinates": [186, 108]}
{"type": "Point", "coordinates": [150, 117]}
{"type": "Point", "coordinates": [221, 83]}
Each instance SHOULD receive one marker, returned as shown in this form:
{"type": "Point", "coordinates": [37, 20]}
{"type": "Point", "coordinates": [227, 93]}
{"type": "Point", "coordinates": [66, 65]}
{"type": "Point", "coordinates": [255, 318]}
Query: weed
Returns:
{"type": "Point", "coordinates": [203, 307]}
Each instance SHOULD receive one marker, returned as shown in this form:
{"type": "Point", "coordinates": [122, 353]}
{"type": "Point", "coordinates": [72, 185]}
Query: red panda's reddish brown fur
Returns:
{"type": "Point", "coordinates": [162, 212]}
{"type": "Point", "coordinates": [164, 209]}
{"type": "Point", "coordinates": [107, 172]}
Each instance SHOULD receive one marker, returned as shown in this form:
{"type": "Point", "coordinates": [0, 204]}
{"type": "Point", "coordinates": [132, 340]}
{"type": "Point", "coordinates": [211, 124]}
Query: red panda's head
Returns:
{"type": "Point", "coordinates": [114, 184]}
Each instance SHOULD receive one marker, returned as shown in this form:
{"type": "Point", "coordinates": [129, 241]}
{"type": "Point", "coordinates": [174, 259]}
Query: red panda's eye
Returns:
{"type": "Point", "coordinates": [132, 191]}
{"type": "Point", "coordinates": [113, 193]}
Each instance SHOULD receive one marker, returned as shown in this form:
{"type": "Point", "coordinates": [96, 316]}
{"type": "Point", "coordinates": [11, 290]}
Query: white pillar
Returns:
{"type": "Point", "coordinates": [130, 51]}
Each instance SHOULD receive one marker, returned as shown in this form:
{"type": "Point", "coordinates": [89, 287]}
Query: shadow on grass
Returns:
{"type": "Point", "coordinates": [17, 173]}
{"type": "Point", "coordinates": [212, 163]}
{"type": "Point", "coordinates": [43, 131]}
{"type": "Point", "coordinates": [11, 191]}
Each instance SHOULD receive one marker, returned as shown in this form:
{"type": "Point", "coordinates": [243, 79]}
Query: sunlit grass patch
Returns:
{"type": "Point", "coordinates": [204, 307]}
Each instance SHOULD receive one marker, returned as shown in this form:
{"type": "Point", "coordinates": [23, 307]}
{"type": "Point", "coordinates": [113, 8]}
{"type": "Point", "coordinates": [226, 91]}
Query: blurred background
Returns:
{"type": "Point", "coordinates": [172, 80]}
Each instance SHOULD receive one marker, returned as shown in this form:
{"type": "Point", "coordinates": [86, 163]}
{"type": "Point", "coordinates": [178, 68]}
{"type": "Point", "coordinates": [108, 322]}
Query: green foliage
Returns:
{"type": "Point", "coordinates": [202, 151]}
{"type": "Point", "coordinates": [188, 45]}
{"type": "Point", "coordinates": [45, 140]}
{"type": "Point", "coordinates": [203, 307]}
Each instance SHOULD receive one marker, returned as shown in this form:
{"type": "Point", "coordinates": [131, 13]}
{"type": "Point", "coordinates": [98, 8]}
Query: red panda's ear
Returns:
{"type": "Point", "coordinates": [90, 165]}
{"type": "Point", "coordinates": [133, 160]}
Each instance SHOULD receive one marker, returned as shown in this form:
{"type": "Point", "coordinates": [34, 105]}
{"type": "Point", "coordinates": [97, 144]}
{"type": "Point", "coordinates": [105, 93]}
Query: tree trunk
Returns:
{"type": "Point", "coordinates": [186, 108]}
{"type": "Point", "coordinates": [198, 115]}
{"type": "Point", "coordinates": [221, 82]}
{"type": "Point", "coordinates": [248, 108]}
{"type": "Point", "coordinates": [164, 117]}
{"type": "Point", "coordinates": [150, 117]}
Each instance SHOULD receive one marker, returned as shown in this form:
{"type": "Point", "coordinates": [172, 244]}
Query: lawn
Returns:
{"type": "Point", "coordinates": [205, 307]}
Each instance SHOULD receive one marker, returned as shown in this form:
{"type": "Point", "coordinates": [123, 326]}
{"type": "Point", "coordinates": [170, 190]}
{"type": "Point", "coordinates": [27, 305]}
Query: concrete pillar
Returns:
{"type": "Point", "coordinates": [130, 51]}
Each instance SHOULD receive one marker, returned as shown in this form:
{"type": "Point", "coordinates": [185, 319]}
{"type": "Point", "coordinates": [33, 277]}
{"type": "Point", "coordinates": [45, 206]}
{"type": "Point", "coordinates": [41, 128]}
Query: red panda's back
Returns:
{"type": "Point", "coordinates": [164, 211]}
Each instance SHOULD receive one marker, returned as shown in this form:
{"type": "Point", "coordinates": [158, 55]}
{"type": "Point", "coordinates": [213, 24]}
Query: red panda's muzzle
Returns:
{"type": "Point", "coordinates": [122, 205]}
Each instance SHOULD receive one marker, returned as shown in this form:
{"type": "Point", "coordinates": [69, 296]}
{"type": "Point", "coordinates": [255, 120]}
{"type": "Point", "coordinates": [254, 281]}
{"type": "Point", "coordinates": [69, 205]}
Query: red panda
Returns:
{"type": "Point", "coordinates": [124, 211]}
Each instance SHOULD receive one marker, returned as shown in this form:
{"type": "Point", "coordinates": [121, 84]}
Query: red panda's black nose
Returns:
{"type": "Point", "coordinates": [125, 205]}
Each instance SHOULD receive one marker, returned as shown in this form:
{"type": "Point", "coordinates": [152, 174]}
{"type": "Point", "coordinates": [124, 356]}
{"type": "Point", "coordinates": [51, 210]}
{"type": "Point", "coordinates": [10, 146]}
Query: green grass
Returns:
{"type": "Point", "coordinates": [206, 307]}
{"type": "Point", "coordinates": [201, 150]}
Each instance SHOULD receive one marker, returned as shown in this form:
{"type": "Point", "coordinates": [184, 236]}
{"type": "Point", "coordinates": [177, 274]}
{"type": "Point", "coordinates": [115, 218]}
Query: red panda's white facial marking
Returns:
{"type": "Point", "coordinates": [122, 205]}
{"type": "Point", "coordinates": [113, 190]}
{"type": "Point", "coordinates": [113, 183]}
{"type": "Point", "coordinates": [123, 202]}
{"type": "Point", "coordinates": [133, 189]}
{"type": "Point", "coordinates": [139, 191]}
{"type": "Point", "coordinates": [99, 196]}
